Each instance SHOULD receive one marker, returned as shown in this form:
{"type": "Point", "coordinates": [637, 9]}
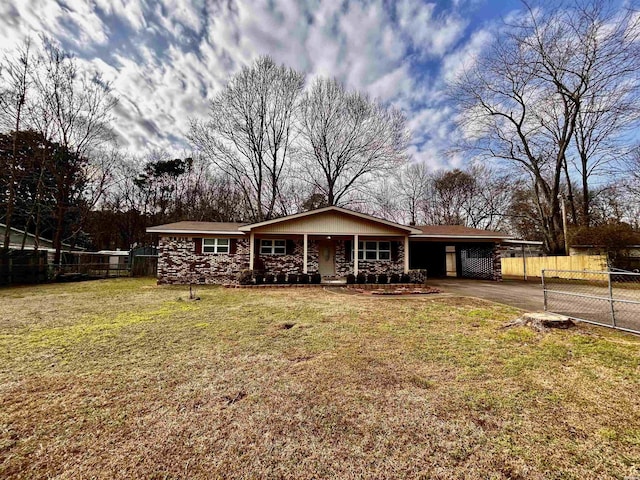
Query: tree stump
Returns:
{"type": "Point", "coordinates": [541, 321]}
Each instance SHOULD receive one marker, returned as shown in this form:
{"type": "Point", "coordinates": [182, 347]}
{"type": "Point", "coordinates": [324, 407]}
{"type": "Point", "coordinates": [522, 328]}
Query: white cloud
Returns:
{"type": "Point", "coordinates": [129, 12]}
{"type": "Point", "coordinates": [170, 58]}
{"type": "Point", "coordinates": [432, 35]}
{"type": "Point", "coordinates": [465, 57]}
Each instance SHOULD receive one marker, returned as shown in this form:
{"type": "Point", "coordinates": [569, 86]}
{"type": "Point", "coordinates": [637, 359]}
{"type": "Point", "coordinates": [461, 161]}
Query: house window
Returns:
{"type": "Point", "coordinates": [374, 250]}
{"type": "Point", "coordinates": [273, 247]}
{"type": "Point", "coordinates": [215, 245]}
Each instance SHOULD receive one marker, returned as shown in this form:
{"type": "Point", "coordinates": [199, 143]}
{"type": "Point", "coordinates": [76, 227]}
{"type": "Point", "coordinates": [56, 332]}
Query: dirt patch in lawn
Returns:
{"type": "Point", "coordinates": [114, 379]}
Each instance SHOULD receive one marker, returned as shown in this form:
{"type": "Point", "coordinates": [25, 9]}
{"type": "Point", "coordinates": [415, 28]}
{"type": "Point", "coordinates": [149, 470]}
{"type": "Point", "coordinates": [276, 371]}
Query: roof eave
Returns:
{"type": "Point", "coordinates": [485, 237]}
{"type": "Point", "coordinates": [199, 232]}
{"type": "Point", "coordinates": [517, 241]}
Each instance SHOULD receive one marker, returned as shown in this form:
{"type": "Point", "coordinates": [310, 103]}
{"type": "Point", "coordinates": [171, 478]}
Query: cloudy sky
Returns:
{"type": "Point", "coordinates": [166, 58]}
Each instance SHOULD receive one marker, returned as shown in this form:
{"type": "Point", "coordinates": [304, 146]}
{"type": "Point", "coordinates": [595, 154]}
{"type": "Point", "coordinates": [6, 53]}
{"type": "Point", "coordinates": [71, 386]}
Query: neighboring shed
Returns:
{"type": "Point", "coordinates": [19, 238]}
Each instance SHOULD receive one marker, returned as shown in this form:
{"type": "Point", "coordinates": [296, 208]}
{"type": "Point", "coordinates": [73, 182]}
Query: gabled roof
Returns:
{"type": "Point", "coordinates": [431, 231]}
{"type": "Point", "coordinates": [423, 231]}
{"type": "Point", "coordinates": [345, 211]}
{"type": "Point", "coordinates": [226, 228]}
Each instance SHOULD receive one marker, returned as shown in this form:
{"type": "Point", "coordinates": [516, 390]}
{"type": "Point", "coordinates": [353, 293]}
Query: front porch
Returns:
{"type": "Point", "coordinates": [333, 257]}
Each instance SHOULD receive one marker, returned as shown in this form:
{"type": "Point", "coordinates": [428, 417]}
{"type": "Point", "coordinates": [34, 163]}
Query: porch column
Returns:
{"type": "Point", "coordinates": [355, 254]}
{"type": "Point", "coordinates": [251, 250]}
{"type": "Point", "coordinates": [406, 254]}
{"type": "Point", "coordinates": [305, 244]}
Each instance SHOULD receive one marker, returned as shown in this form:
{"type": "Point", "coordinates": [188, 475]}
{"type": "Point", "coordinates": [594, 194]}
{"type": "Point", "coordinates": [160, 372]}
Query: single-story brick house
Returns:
{"type": "Point", "coordinates": [332, 241]}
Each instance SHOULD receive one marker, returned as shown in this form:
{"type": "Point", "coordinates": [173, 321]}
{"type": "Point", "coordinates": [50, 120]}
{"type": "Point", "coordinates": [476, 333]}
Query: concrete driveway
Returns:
{"type": "Point", "coordinates": [516, 293]}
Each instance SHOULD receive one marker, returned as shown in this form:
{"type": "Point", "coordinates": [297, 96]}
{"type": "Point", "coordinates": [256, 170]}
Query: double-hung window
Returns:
{"type": "Point", "coordinates": [374, 250]}
{"type": "Point", "coordinates": [215, 245]}
{"type": "Point", "coordinates": [273, 247]}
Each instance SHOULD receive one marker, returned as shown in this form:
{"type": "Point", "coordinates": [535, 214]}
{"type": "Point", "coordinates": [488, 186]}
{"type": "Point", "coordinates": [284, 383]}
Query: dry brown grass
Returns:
{"type": "Point", "coordinates": [123, 379]}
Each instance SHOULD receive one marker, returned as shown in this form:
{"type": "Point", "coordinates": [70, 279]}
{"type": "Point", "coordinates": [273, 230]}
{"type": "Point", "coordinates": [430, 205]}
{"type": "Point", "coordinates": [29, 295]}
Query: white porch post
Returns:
{"type": "Point", "coordinates": [355, 254]}
{"type": "Point", "coordinates": [305, 244]}
{"type": "Point", "coordinates": [251, 250]}
{"type": "Point", "coordinates": [406, 254]}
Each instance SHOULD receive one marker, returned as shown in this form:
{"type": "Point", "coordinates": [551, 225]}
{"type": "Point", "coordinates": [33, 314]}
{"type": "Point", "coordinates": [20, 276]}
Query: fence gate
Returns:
{"type": "Point", "coordinates": [611, 299]}
{"type": "Point", "coordinates": [476, 262]}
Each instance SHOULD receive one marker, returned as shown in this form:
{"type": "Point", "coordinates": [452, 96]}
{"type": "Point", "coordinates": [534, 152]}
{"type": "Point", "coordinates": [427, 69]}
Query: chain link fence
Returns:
{"type": "Point", "coordinates": [610, 299]}
{"type": "Point", "coordinates": [76, 271]}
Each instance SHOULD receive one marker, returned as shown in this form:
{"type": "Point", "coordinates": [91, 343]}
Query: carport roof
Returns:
{"type": "Point", "coordinates": [457, 231]}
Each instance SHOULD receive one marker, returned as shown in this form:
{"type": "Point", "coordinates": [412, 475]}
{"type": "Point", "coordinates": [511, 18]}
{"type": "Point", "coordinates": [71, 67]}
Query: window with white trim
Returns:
{"type": "Point", "coordinates": [374, 250]}
{"type": "Point", "coordinates": [273, 247]}
{"type": "Point", "coordinates": [215, 245]}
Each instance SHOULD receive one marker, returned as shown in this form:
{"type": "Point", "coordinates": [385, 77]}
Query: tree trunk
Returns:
{"type": "Point", "coordinates": [57, 237]}
{"type": "Point", "coordinates": [570, 196]}
{"type": "Point", "coordinates": [11, 194]}
{"type": "Point", "coordinates": [586, 200]}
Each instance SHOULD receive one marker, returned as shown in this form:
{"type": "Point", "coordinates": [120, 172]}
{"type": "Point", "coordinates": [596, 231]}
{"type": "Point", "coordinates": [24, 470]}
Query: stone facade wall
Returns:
{"type": "Point", "coordinates": [374, 267]}
{"type": "Point", "coordinates": [290, 263]}
{"type": "Point", "coordinates": [178, 262]}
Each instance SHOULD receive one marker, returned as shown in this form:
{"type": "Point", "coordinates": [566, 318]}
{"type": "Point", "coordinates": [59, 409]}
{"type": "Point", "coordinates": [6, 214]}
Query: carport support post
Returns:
{"type": "Point", "coordinates": [406, 254]}
{"type": "Point", "coordinates": [305, 246]}
{"type": "Point", "coordinates": [355, 254]}
{"type": "Point", "coordinates": [524, 261]}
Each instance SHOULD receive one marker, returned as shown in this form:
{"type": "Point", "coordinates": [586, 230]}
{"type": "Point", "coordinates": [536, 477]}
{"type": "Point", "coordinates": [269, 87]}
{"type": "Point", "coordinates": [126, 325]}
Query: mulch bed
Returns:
{"type": "Point", "coordinates": [400, 291]}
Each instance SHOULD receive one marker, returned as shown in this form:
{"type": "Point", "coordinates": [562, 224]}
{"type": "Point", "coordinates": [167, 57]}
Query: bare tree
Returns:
{"type": "Point", "coordinates": [628, 187]}
{"type": "Point", "coordinates": [15, 78]}
{"type": "Point", "coordinates": [615, 203]}
{"type": "Point", "coordinates": [476, 196]}
{"type": "Point", "coordinates": [525, 100]}
{"type": "Point", "coordinates": [347, 139]}
{"type": "Point", "coordinates": [383, 201]}
{"type": "Point", "coordinates": [249, 132]}
{"type": "Point", "coordinates": [488, 207]}
{"type": "Point", "coordinates": [74, 109]}
{"type": "Point", "coordinates": [449, 194]}
{"type": "Point", "coordinates": [633, 171]}
{"type": "Point", "coordinates": [609, 61]}
{"type": "Point", "coordinates": [411, 186]}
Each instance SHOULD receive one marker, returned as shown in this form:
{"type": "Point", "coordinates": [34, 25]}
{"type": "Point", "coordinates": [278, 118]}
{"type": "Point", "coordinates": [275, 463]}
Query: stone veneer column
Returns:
{"type": "Point", "coordinates": [406, 254]}
{"type": "Point", "coordinates": [252, 254]}
{"type": "Point", "coordinates": [305, 251]}
{"type": "Point", "coordinates": [356, 251]}
{"type": "Point", "coordinates": [497, 261]}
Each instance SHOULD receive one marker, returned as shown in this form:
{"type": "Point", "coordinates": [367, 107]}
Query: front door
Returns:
{"type": "Point", "coordinates": [327, 258]}
{"type": "Point", "coordinates": [452, 266]}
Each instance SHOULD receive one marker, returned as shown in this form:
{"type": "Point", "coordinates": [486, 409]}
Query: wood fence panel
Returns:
{"type": "Point", "coordinates": [515, 267]}
{"type": "Point", "coordinates": [23, 267]}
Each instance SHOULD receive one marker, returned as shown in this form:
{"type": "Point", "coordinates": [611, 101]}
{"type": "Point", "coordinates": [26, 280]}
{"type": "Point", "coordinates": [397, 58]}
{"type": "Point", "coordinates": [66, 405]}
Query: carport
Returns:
{"type": "Point", "coordinates": [456, 251]}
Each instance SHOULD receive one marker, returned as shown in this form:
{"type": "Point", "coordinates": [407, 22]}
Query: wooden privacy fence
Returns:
{"type": "Point", "coordinates": [144, 266]}
{"type": "Point", "coordinates": [22, 267]}
{"type": "Point", "coordinates": [532, 266]}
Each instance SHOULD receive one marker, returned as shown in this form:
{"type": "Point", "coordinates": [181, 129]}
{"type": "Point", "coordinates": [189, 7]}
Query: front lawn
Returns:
{"type": "Point", "coordinates": [124, 379]}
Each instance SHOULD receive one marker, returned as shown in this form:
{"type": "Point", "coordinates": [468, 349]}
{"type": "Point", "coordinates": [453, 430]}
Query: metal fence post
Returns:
{"type": "Point", "coordinates": [613, 310]}
{"type": "Point", "coordinates": [544, 291]}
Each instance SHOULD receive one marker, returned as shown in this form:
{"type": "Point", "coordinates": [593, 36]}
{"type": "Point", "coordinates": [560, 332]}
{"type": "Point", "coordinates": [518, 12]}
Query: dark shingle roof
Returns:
{"type": "Point", "coordinates": [459, 230]}
{"type": "Point", "coordinates": [196, 227]}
